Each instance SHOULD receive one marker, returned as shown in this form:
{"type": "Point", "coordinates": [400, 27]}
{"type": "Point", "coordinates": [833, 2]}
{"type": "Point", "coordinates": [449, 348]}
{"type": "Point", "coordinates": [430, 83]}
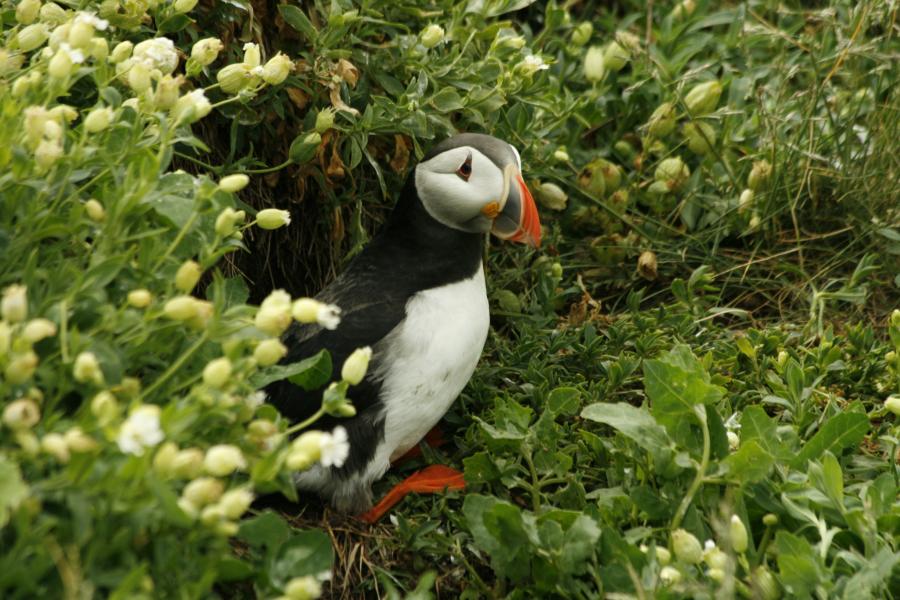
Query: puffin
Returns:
{"type": "Point", "coordinates": [416, 295]}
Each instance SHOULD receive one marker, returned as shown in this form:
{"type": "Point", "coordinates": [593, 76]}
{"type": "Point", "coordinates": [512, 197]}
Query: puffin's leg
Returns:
{"type": "Point", "coordinates": [434, 439]}
{"type": "Point", "coordinates": [430, 480]}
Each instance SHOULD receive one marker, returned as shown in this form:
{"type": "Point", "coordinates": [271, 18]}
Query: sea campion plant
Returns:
{"type": "Point", "coordinates": [132, 435]}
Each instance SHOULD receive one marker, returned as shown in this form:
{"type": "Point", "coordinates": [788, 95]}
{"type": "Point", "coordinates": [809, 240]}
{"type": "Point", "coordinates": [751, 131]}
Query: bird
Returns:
{"type": "Point", "coordinates": [416, 296]}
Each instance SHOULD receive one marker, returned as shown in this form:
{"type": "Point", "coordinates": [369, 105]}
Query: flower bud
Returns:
{"type": "Point", "coordinates": [104, 407]}
{"type": "Point", "coordinates": [188, 508]}
{"type": "Point", "coordinates": [273, 321]}
{"type": "Point", "coordinates": [166, 94]}
{"type": "Point", "coordinates": [188, 463]}
{"type": "Point", "coordinates": [95, 210]}
{"type": "Point", "coordinates": [432, 35]}
{"type": "Point", "coordinates": [669, 575]}
{"type": "Point", "coordinates": [234, 503]}
{"type": "Point", "coordinates": [662, 121]}
{"type": "Point", "coordinates": [5, 338]}
{"type": "Point", "coordinates": [738, 532]}
{"type": "Point", "coordinates": [646, 266]}
{"type": "Point", "coordinates": [673, 172]}
{"type": "Point", "coordinates": [53, 14]}
{"type": "Point", "coordinates": [615, 57]}
{"type": "Point", "coordinates": [98, 48]}
{"type": "Point", "coordinates": [305, 450]}
{"type": "Point", "coordinates": [140, 298]}
{"type": "Point", "coordinates": [687, 547]}
{"type": "Point", "coordinates": [765, 586]}
{"type": "Point", "coordinates": [14, 306]}
{"type": "Point", "coordinates": [759, 174]}
{"type": "Point", "coordinates": [47, 153]}
{"type": "Point", "coordinates": [55, 445]}
{"type": "Point", "coordinates": [734, 441]}
{"type": "Point", "coordinates": [273, 218]}
{"type": "Point", "coordinates": [700, 136]}
{"type": "Point", "coordinates": [277, 69]}
{"type": "Point", "coordinates": [703, 98]}
{"type": "Point", "coordinates": [324, 120]}
{"type": "Point", "coordinates": [770, 520]}
{"type": "Point", "coordinates": [21, 368]}
{"type": "Point", "coordinates": [191, 107]}
{"type": "Point", "coordinates": [561, 155]}
{"type": "Point", "coordinates": [714, 557]}
{"type": "Point", "coordinates": [223, 459]}
{"type": "Point", "coordinates": [305, 310]}
{"type": "Point", "coordinates": [203, 491]}
{"type": "Point", "coordinates": [217, 372]}
{"type": "Point", "coordinates": [205, 51]}
{"type": "Point", "coordinates": [32, 37]}
{"type": "Point", "coordinates": [251, 54]}
{"type": "Point", "coordinates": [594, 68]}
{"type": "Point", "coordinates": [581, 35]}
{"type": "Point", "coordinates": [164, 458]}
{"type": "Point", "coordinates": [303, 588]}
{"type": "Point", "coordinates": [38, 329]}
{"type": "Point", "coordinates": [98, 120]}
{"type": "Point", "coordinates": [663, 555]}
{"type": "Point", "coordinates": [87, 368]}
{"type": "Point", "coordinates": [354, 369]}
{"type": "Point", "coordinates": [227, 220]}
{"type": "Point", "coordinates": [234, 78]}
{"type": "Point", "coordinates": [21, 414]}
{"type": "Point", "coordinates": [79, 442]}
{"type": "Point", "coordinates": [181, 308]}
{"type": "Point", "coordinates": [269, 352]}
{"type": "Point", "coordinates": [184, 6]}
{"type": "Point", "coordinates": [27, 11]}
{"type": "Point", "coordinates": [893, 404]}
{"type": "Point", "coordinates": [716, 574]}
{"type": "Point", "coordinates": [234, 183]}
{"type": "Point", "coordinates": [139, 77]}
{"type": "Point", "coordinates": [80, 34]}
{"type": "Point", "coordinates": [629, 41]}
{"type": "Point", "coordinates": [121, 52]}
{"type": "Point", "coordinates": [551, 196]}
{"type": "Point", "coordinates": [683, 9]}
{"type": "Point", "coordinates": [746, 200]}
{"type": "Point", "coordinates": [187, 276]}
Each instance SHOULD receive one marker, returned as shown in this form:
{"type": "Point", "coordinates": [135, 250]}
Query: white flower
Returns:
{"type": "Point", "coordinates": [140, 430]}
{"type": "Point", "coordinates": [531, 64]}
{"type": "Point", "coordinates": [328, 316]}
{"type": "Point", "coordinates": [157, 53]}
{"type": "Point", "coordinates": [335, 447]}
{"type": "Point", "coordinates": [256, 399]}
{"type": "Point", "coordinates": [91, 19]}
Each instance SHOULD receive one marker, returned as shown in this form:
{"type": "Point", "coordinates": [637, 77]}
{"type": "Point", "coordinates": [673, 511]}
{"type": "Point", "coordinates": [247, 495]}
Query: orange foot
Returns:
{"type": "Point", "coordinates": [435, 478]}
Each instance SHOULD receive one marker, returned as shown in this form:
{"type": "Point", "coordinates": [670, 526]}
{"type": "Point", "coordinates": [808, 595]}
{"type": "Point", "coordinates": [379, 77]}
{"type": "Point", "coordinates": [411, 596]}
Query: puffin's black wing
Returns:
{"type": "Point", "coordinates": [370, 309]}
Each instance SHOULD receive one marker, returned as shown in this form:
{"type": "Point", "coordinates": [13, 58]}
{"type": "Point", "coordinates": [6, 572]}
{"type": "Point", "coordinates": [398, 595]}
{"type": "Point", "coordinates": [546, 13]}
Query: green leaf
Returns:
{"type": "Point", "coordinates": [174, 24]}
{"type": "Point", "coordinates": [447, 100]}
{"type": "Point", "coordinates": [675, 384]}
{"type": "Point", "coordinates": [310, 373]}
{"type": "Point", "coordinates": [563, 400]}
{"type": "Point", "coordinates": [799, 570]}
{"type": "Point", "coordinates": [13, 489]}
{"type": "Point", "coordinates": [751, 462]}
{"type": "Point", "coordinates": [635, 423]}
{"type": "Point", "coordinates": [842, 431]}
{"type": "Point", "coordinates": [267, 529]}
{"type": "Point", "coordinates": [757, 426]}
{"type": "Point", "coordinates": [874, 575]}
{"type": "Point", "coordinates": [502, 531]}
{"type": "Point", "coordinates": [298, 20]}
{"type": "Point", "coordinates": [231, 568]}
{"type": "Point", "coordinates": [305, 553]}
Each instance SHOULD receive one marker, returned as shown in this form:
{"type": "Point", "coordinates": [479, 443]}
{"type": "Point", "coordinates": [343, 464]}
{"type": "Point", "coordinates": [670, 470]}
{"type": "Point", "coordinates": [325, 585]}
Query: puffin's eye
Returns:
{"type": "Point", "coordinates": [465, 170]}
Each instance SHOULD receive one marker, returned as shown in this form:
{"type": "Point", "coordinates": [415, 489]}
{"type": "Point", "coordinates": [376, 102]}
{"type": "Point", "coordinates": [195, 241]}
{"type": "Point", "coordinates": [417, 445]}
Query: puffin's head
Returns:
{"type": "Point", "coordinates": [473, 182]}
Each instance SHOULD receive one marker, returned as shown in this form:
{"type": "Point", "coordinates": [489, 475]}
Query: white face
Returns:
{"type": "Point", "coordinates": [457, 184]}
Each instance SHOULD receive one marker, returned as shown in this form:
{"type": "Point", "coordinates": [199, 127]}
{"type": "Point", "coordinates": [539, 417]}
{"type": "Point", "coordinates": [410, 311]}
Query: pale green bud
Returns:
{"type": "Point", "coordinates": [203, 491]}
{"type": "Point", "coordinates": [55, 445]}
{"type": "Point", "coordinates": [687, 547]}
{"type": "Point", "coordinates": [354, 368]}
{"type": "Point", "coordinates": [164, 458]}
{"type": "Point", "coordinates": [166, 94]}
{"type": "Point", "coordinates": [104, 407]}
{"type": "Point", "coordinates": [764, 584]}
{"type": "Point", "coordinates": [893, 404]}
{"type": "Point", "coordinates": [224, 459]}
{"type": "Point", "coordinates": [205, 51]}
{"type": "Point", "coordinates": [324, 120]}
{"type": "Point", "coordinates": [432, 35]}
{"type": "Point", "coordinates": [27, 11]}
{"type": "Point", "coordinates": [139, 77]}
{"type": "Point", "coordinates": [252, 55]}
{"type": "Point", "coordinates": [140, 298]}
{"type": "Point", "coordinates": [53, 14]}
{"type": "Point", "coordinates": [99, 48]}
{"type": "Point", "coordinates": [305, 450]}
{"type": "Point", "coordinates": [273, 218]}
{"type": "Point", "coordinates": [277, 69]}
{"type": "Point", "coordinates": [581, 35]}
{"type": "Point", "coordinates": [594, 68]}
{"type": "Point", "coordinates": [187, 276]}
{"type": "Point", "coordinates": [182, 308]}
{"type": "Point", "coordinates": [615, 57]}
{"type": "Point", "coordinates": [673, 172]}
{"type": "Point", "coordinates": [233, 78]}
{"type": "Point", "coordinates": [80, 34]}
{"type": "Point", "coordinates": [184, 6]}
{"type": "Point", "coordinates": [303, 588]}
{"type": "Point", "coordinates": [234, 183]}
{"type": "Point", "coordinates": [78, 441]}
{"type": "Point", "coordinates": [21, 368]}
{"type": "Point", "coordinates": [87, 368]}
{"type": "Point", "coordinates": [269, 352]}
{"type": "Point", "coordinates": [551, 196]}
{"type": "Point", "coordinates": [97, 120]}
{"type": "Point", "coordinates": [746, 200]}
{"type": "Point", "coordinates": [14, 305]}
{"type": "Point", "coordinates": [188, 463]}
{"type": "Point", "coordinates": [700, 136]}
{"type": "Point", "coordinates": [234, 503]}
{"type": "Point", "coordinates": [38, 329]}
{"type": "Point", "coordinates": [739, 538]}
{"type": "Point", "coordinates": [217, 372]}
{"type": "Point", "coordinates": [21, 414]}
{"type": "Point", "coordinates": [662, 121]}
{"type": "Point", "coordinates": [759, 174]}
{"type": "Point", "coordinates": [121, 52]}
{"type": "Point", "coordinates": [669, 575]}
{"type": "Point", "coordinates": [32, 37]}
{"type": "Point", "coordinates": [227, 220]}
{"type": "Point", "coordinates": [703, 98]}
{"type": "Point", "coordinates": [191, 107]}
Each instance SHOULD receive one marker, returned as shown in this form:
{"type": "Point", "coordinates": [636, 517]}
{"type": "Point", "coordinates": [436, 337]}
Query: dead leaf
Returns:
{"type": "Point", "coordinates": [298, 97]}
{"type": "Point", "coordinates": [347, 71]}
{"type": "Point", "coordinates": [646, 266]}
{"type": "Point", "coordinates": [335, 169]}
{"type": "Point", "coordinates": [337, 226]}
{"type": "Point", "coordinates": [337, 102]}
{"type": "Point", "coordinates": [401, 154]}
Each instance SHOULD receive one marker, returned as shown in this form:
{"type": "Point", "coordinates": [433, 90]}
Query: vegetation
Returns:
{"type": "Point", "coordinates": [705, 348]}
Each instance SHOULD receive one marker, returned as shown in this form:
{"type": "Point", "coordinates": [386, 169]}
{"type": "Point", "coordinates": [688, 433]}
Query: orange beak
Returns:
{"type": "Point", "coordinates": [518, 221]}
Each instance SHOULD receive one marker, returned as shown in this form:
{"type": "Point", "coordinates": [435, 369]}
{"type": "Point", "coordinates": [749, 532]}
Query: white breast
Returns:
{"type": "Point", "coordinates": [433, 353]}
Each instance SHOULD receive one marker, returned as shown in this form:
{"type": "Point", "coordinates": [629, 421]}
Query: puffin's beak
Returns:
{"type": "Point", "coordinates": [518, 221]}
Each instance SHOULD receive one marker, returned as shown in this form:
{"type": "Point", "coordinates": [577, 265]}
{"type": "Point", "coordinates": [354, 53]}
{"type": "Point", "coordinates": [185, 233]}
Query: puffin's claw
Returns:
{"type": "Point", "coordinates": [435, 478]}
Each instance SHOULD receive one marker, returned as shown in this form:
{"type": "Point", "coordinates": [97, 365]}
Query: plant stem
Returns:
{"type": "Point", "coordinates": [304, 424]}
{"type": "Point", "coordinates": [701, 470]}
{"type": "Point", "coordinates": [176, 366]}
{"type": "Point", "coordinates": [535, 482]}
